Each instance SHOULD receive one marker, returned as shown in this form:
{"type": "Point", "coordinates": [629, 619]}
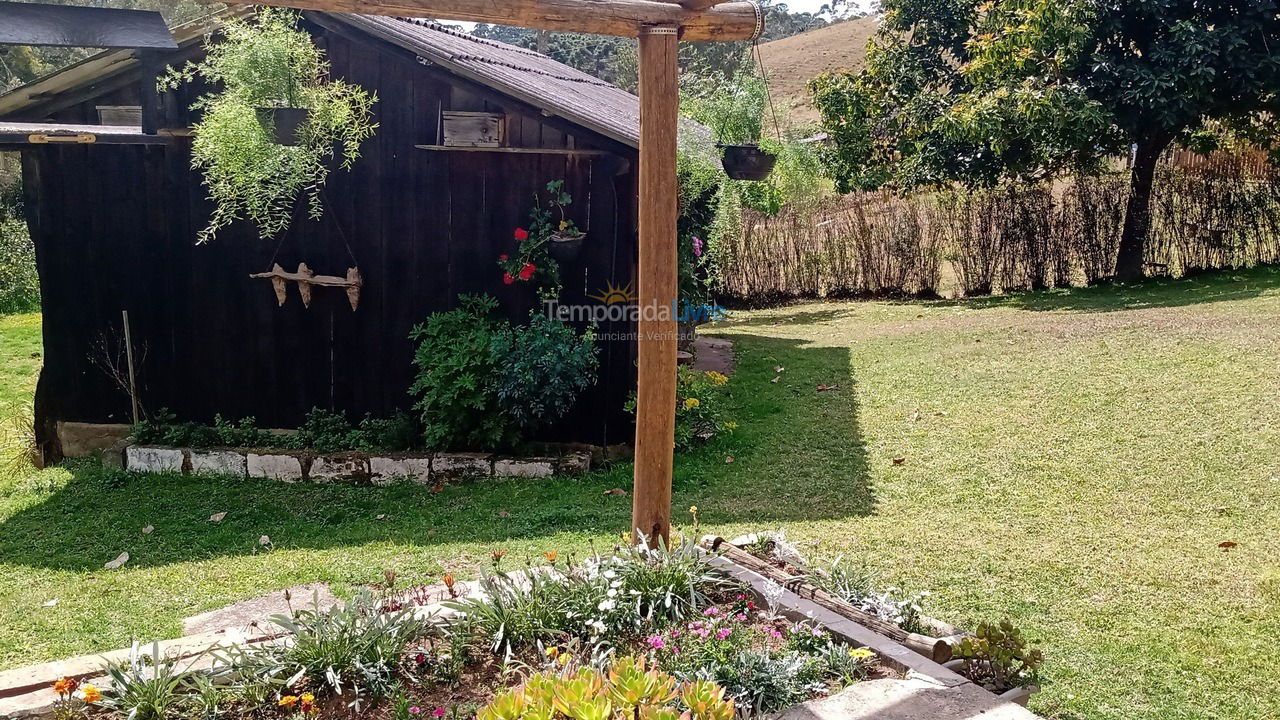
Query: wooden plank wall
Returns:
{"type": "Point", "coordinates": [115, 229]}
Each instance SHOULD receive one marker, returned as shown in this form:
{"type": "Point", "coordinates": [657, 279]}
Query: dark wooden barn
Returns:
{"type": "Point", "coordinates": [115, 208]}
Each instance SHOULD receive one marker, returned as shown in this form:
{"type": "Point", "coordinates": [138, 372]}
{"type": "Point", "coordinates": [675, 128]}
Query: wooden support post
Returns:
{"type": "Point", "coordinates": [656, 385]}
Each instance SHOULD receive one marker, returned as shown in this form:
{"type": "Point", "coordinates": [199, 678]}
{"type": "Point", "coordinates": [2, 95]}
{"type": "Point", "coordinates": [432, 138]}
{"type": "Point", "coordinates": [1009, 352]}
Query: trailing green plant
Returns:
{"type": "Point", "coordinates": [263, 63]}
{"type": "Point", "coordinates": [998, 658]}
{"type": "Point", "coordinates": [734, 111]}
{"type": "Point", "coordinates": [545, 365]}
{"type": "Point", "coordinates": [146, 686]}
{"type": "Point", "coordinates": [323, 431]}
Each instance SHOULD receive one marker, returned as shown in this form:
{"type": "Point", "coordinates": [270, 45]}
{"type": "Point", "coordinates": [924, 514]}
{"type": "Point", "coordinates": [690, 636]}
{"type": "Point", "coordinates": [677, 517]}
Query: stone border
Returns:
{"type": "Point", "coordinates": [364, 468]}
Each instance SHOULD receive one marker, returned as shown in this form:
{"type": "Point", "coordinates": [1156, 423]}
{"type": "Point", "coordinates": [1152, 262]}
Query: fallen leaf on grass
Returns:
{"type": "Point", "coordinates": [1226, 545]}
{"type": "Point", "coordinates": [776, 378]}
{"type": "Point", "coordinates": [217, 517]}
{"type": "Point", "coordinates": [899, 460]}
{"type": "Point", "coordinates": [779, 369]}
{"type": "Point", "coordinates": [824, 388]}
{"type": "Point", "coordinates": [148, 529]}
{"type": "Point", "coordinates": [380, 517]}
{"type": "Point", "coordinates": [915, 415]}
{"type": "Point", "coordinates": [49, 603]}
{"type": "Point", "coordinates": [617, 492]}
{"type": "Point", "coordinates": [728, 458]}
{"type": "Point", "coordinates": [115, 564]}
{"type": "Point", "coordinates": [504, 514]}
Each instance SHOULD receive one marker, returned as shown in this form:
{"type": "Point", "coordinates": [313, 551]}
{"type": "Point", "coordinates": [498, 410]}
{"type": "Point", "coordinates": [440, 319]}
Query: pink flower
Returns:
{"type": "Point", "coordinates": [723, 633]}
{"type": "Point", "coordinates": [438, 712]}
{"type": "Point", "coordinates": [773, 632]}
{"type": "Point", "coordinates": [741, 617]}
{"type": "Point", "coordinates": [697, 246]}
{"type": "Point", "coordinates": [711, 611]}
{"type": "Point", "coordinates": [675, 633]}
{"type": "Point", "coordinates": [656, 642]}
{"type": "Point", "coordinates": [415, 710]}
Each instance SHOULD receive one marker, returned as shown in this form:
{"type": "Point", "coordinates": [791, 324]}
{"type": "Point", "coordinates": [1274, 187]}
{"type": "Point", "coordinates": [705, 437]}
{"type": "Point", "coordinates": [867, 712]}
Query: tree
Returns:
{"type": "Point", "coordinates": [978, 92]}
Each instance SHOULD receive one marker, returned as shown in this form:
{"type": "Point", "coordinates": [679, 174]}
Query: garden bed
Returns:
{"type": "Point", "coordinates": [374, 468]}
{"type": "Point", "coordinates": [688, 627]}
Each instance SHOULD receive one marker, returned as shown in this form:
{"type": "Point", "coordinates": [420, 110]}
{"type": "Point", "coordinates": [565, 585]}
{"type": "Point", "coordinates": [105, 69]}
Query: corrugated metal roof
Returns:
{"type": "Point", "coordinates": [548, 85]}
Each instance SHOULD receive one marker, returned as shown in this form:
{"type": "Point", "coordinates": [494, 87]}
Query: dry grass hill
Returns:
{"type": "Point", "coordinates": [793, 61]}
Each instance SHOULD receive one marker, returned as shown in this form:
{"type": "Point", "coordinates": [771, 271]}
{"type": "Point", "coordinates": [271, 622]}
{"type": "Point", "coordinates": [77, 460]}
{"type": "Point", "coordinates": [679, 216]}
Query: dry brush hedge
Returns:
{"type": "Point", "coordinates": [1224, 214]}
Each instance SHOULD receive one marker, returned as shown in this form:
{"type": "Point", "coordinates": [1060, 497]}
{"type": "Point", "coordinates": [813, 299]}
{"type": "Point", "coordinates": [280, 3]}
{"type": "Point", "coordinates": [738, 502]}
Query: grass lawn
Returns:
{"type": "Point", "coordinates": [1072, 460]}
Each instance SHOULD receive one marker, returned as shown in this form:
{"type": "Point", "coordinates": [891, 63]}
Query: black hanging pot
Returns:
{"type": "Point", "coordinates": [747, 162]}
{"type": "Point", "coordinates": [565, 246]}
{"type": "Point", "coordinates": [285, 122]}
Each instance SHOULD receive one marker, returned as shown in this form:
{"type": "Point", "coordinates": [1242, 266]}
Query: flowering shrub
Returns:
{"type": "Point", "coordinates": [762, 666]}
{"type": "Point", "coordinates": [532, 261]}
{"type": "Point", "coordinates": [74, 699]}
{"type": "Point", "coordinates": [700, 414]}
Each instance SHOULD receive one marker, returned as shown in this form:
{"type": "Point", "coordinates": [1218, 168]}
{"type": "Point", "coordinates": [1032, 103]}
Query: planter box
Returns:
{"type": "Point", "coordinates": [358, 468]}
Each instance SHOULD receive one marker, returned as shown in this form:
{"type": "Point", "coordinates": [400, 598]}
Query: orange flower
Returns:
{"type": "Point", "coordinates": [499, 554]}
{"type": "Point", "coordinates": [448, 580]}
{"type": "Point", "coordinates": [65, 686]}
{"type": "Point", "coordinates": [288, 701]}
{"type": "Point", "coordinates": [308, 703]}
{"type": "Point", "coordinates": [91, 694]}
{"type": "Point", "coordinates": [551, 556]}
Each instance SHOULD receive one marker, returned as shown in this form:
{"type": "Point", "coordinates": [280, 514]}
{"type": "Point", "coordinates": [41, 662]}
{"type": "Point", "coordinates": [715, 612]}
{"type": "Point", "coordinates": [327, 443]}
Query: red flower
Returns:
{"type": "Point", "coordinates": [502, 257]}
{"type": "Point", "coordinates": [507, 279]}
{"type": "Point", "coordinates": [522, 234]}
{"type": "Point", "coordinates": [527, 271]}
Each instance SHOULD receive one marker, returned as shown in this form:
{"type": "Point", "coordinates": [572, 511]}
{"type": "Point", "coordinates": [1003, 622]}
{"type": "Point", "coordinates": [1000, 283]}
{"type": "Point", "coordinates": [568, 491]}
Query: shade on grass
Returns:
{"type": "Point", "coordinates": [1071, 460]}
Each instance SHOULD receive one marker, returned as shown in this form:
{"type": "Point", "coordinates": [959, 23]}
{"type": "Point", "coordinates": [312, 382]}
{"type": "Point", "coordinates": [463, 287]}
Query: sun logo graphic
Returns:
{"type": "Point", "coordinates": [613, 295]}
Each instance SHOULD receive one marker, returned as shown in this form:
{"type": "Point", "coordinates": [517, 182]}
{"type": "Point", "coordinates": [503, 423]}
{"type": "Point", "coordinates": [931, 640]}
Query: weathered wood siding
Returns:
{"type": "Point", "coordinates": [115, 230]}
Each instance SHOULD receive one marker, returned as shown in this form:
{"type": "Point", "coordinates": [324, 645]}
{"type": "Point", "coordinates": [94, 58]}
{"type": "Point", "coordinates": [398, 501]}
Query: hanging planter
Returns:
{"type": "Point", "coordinates": [566, 245]}
{"type": "Point", "coordinates": [747, 162]}
{"type": "Point", "coordinates": [284, 122]}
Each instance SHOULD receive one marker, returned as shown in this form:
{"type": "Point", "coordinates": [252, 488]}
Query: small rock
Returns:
{"type": "Point", "coordinates": [115, 564]}
{"type": "Point", "coordinates": [148, 529]}
{"type": "Point", "coordinates": [380, 517]}
{"type": "Point", "coordinates": [50, 603]}
{"type": "Point", "coordinates": [217, 517]}
{"type": "Point", "coordinates": [619, 492]}
{"type": "Point", "coordinates": [264, 541]}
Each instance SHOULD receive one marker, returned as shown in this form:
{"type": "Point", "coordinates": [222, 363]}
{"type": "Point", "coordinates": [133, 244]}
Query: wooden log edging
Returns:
{"type": "Point", "coordinates": [938, 650]}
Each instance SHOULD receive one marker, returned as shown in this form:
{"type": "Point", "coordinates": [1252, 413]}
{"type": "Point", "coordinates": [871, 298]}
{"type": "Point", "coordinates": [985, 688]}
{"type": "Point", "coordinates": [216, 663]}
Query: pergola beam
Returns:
{"type": "Point", "coordinates": [697, 21]}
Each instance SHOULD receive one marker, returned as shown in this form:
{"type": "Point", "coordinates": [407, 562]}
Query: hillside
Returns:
{"type": "Point", "coordinates": [793, 61]}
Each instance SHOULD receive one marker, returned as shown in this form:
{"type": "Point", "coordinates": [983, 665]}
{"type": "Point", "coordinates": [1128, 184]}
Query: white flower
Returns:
{"type": "Point", "coordinates": [597, 626]}
{"type": "Point", "coordinates": [606, 605]}
{"type": "Point", "coordinates": [612, 592]}
{"type": "Point", "coordinates": [609, 574]}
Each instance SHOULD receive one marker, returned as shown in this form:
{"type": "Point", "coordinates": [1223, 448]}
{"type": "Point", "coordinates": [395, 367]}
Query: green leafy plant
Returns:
{"type": "Point", "coordinates": [262, 63]}
{"type": "Point", "coordinates": [545, 365]}
{"type": "Point", "coordinates": [455, 370]}
{"type": "Point", "coordinates": [146, 686]}
{"type": "Point", "coordinates": [998, 657]}
{"type": "Point", "coordinates": [484, 384]}
{"type": "Point", "coordinates": [353, 650]}
{"type": "Point", "coordinates": [19, 282]}
{"type": "Point", "coordinates": [733, 111]}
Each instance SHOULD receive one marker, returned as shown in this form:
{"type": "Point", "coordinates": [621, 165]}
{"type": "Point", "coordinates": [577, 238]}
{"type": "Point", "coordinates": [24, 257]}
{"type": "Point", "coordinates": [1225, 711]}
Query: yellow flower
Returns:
{"type": "Point", "coordinates": [308, 702]}
{"type": "Point", "coordinates": [693, 509]}
{"type": "Point", "coordinates": [691, 403]}
{"type": "Point", "coordinates": [860, 653]}
{"type": "Point", "coordinates": [288, 701]}
{"type": "Point", "coordinates": [553, 651]}
{"type": "Point", "coordinates": [65, 686]}
{"type": "Point", "coordinates": [731, 426]}
{"type": "Point", "coordinates": [91, 694]}
{"type": "Point", "coordinates": [717, 378]}
{"type": "Point", "coordinates": [564, 659]}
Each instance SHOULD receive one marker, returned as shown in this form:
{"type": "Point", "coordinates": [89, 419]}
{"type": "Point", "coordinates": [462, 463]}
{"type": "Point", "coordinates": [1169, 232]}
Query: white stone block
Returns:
{"type": "Point", "coordinates": [454, 465]}
{"type": "Point", "coordinates": [575, 463]}
{"type": "Point", "coordinates": [330, 468]}
{"type": "Point", "coordinates": [276, 467]}
{"type": "Point", "coordinates": [386, 470]}
{"type": "Point", "coordinates": [524, 467]}
{"type": "Point", "coordinates": [218, 462]}
{"type": "Point", "coordinates": [152, 459]}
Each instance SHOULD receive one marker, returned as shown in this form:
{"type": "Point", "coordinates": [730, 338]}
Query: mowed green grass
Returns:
{"type": "Point", "coordinates": [1071, 460]}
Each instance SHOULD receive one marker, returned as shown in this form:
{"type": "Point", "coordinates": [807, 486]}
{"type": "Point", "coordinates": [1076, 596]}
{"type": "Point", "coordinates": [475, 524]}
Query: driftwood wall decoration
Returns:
{"type": "Point", "coordinates": [306, 277]}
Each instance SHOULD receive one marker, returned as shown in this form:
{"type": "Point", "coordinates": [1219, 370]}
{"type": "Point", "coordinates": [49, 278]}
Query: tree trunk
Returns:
{"type": "Point", "coordinates": [1137, 217]}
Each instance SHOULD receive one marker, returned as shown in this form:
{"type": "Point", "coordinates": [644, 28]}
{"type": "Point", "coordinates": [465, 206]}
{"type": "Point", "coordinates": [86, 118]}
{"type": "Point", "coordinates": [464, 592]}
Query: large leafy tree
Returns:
{"type": "Point", "coordinates": [980, 91]}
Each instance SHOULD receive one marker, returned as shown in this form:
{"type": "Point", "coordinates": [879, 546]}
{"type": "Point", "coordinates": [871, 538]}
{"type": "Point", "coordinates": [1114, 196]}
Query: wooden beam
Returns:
{"type": "Point", "coordinates": [723, 23]}
{"type": "Point", "coordinates": [656, 383]}
{"type": "Point", "coordinates": [698, 5]}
